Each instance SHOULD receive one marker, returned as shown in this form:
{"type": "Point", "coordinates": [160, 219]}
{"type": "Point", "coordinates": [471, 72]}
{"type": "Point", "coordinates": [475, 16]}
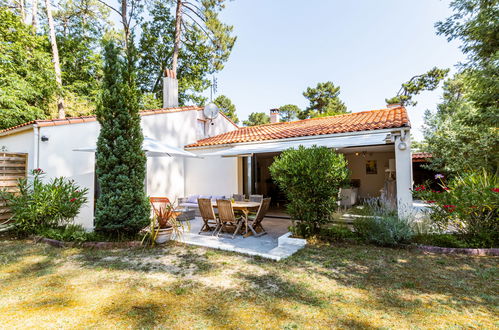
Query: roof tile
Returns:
{"type": "Point", "coordinates": [352, 122]}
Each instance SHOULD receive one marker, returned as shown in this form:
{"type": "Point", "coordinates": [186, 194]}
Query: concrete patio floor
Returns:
{"type": "Point", "coordinates": [275, 245]}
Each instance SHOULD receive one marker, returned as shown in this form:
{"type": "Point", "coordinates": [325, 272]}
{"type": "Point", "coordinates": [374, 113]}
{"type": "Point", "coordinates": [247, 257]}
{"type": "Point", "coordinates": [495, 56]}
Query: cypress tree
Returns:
{"type": "Point", "coordinates": [122, 207]}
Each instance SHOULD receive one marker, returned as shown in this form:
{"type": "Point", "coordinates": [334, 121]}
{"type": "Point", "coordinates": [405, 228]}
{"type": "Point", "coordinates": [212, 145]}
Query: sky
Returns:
{"type": "Point", "coordinates": [367, 47]}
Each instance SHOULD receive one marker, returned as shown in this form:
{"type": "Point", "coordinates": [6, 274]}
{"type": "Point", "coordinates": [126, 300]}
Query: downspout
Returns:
{"type": "Point", "coordinates": [36, 146]}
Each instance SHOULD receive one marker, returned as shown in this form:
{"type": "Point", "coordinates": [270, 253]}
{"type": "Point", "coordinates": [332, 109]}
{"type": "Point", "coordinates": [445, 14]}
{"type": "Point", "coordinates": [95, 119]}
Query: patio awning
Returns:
{"type": "Point", "coordinates": [154, 148]}
{"type": "Point", "coordinates": [329, 142]}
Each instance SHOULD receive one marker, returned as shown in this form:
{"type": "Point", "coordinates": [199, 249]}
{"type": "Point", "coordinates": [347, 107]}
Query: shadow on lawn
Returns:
{"type": "Point", "coordinates": [391, 274]}
{"type": "Point", "coordinates": [277, 287]}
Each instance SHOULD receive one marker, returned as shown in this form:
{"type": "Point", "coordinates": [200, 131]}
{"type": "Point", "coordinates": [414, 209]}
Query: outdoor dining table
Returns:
{"type": "Point", "coordinates": [245, 208]}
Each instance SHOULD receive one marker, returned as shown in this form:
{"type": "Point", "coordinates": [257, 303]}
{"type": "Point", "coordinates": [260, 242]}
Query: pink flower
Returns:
{"type": "Point", "coordinates": [72, 200]}
{"type": "Point", "coordinates": [495, 189]}
{"type": "Point", "coordinates": [439, 176]}
{"type": "Point", "coordinates": [420, 188]}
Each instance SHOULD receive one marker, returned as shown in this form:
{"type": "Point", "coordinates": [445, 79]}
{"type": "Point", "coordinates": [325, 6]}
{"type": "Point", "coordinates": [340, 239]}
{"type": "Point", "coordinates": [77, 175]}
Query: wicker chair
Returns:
{"type": "Point", "coordinates": [208, 216]}
{"type": "Point", "coordinates": [238, 197]}
{"type": "Point", "coordinates": [255, 222]}
{"type": "Point", "coordinates": [227, 218]}
{"type": "Point", "coordinates": [256, 198]}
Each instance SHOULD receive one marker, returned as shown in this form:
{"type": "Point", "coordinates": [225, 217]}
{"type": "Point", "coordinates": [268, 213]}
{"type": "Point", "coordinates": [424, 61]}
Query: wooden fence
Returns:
{"type": "Point", "coordinates": [12, 168]}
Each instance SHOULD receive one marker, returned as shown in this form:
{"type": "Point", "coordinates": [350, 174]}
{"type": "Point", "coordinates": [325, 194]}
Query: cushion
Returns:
{"type": "Point", "coordinates": [188, 204]}
{"type": "Point", "coordinates": [215, 197]}
{"type": "Point", "coordinates": [204, 196]}
{"type": "Point", "coordinates": [193, 199]}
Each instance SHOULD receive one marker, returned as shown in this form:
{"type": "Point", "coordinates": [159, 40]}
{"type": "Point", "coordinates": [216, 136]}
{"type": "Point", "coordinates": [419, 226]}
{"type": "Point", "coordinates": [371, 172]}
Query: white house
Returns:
{"type": "Point", "coordinates": [235, 160]}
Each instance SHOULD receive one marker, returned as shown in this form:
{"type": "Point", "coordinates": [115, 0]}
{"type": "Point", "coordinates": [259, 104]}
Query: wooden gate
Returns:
{"type": "Point", "coordinates": [13, 166]}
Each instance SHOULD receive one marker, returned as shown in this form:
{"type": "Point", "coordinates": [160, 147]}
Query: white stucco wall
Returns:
{"type": "Point", "coordinates": [57, 158]}
{"type": "Point", "coordinates": [21, 142]}
{"type": "Point", "coordinates": [166, 176]}
{"type": "Point", "coordinates": [211, 176]}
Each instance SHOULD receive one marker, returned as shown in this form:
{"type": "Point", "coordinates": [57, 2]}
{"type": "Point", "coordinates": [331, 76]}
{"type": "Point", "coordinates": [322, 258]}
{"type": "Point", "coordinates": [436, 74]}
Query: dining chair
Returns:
{"type": "Point", "coordinates": [227, 218]}
{"type": "Point", "coordinates": [255, 222]}
{"type": "Point", "coordinates": [239, 197]}
{"type": "Point", "coordinates": [256, 198]}
{"type": "Point", "coordinates": [208, 216]}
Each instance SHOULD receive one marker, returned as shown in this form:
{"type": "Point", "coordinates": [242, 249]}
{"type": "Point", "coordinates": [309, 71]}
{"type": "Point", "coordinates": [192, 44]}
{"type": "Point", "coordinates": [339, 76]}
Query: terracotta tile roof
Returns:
{"type": "Point", "coordinates": [84, 119]}
{"type": "Point", "coordinates": [420, 157]}
{"type": "Point", "coordinates": [352, 122]}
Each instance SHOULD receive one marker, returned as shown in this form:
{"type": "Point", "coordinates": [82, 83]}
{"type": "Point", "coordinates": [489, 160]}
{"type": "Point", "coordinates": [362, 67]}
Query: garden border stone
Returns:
{"type": "Point", "coordinates": [467, 251]}
{"type": "Point", "coordinates": [89, 245]}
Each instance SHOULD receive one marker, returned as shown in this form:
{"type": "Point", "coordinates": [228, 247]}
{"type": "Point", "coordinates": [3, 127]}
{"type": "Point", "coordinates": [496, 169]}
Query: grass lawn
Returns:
{"type": "Point", "coordinates": [177, 286]}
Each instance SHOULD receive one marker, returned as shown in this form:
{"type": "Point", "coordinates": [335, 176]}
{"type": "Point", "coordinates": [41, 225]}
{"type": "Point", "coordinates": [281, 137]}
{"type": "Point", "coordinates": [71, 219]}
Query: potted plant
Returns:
{"type": "Point", "coordinates": [164, 224]}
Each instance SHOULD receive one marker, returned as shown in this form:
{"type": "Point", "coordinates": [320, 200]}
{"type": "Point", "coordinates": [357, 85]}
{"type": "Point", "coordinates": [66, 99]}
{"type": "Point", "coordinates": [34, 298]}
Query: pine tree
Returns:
{"type": "Point", "coordinates": [122, 207]}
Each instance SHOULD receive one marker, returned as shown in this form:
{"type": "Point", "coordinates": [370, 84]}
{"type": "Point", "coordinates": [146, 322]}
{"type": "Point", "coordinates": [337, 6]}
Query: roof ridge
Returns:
{"type": "Point", "coordinates": [323, 117]}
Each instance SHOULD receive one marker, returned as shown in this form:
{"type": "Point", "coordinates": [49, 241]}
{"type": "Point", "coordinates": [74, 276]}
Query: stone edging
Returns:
{"type": "Point", "coordinates": [90, 245]}
{"type": "Point", "coordinates": [467, 251]}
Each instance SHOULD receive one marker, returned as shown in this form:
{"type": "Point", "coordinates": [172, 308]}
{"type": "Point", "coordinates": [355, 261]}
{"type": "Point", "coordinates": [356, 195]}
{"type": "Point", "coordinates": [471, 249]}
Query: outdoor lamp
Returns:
{"type": "Point", "coordinates": [402, 146]}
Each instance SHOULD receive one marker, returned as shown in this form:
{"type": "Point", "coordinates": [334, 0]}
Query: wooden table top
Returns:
{"type": "Point", "coordinates": [241, 205]}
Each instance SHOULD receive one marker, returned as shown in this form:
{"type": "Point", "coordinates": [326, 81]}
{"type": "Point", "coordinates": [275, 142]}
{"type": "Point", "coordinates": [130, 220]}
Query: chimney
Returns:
{"type": "Point", "coordinates": [393, 105]}
{"type": "Point", "coordinates": [274, 116]}
{"type": "Point", "coordinates": [170, 89]}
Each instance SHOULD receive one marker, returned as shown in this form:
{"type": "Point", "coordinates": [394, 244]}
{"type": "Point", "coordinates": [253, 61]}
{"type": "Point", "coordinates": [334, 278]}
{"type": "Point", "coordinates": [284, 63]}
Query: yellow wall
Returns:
{"type": "Point", "coordinates": [370, 184]}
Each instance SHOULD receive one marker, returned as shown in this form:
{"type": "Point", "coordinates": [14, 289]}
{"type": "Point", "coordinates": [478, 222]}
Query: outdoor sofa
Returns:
{"type": "Point", "coordinates": [191, 202]}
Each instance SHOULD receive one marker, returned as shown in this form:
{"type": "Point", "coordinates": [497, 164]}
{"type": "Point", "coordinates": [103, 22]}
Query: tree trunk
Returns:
{"type": "Point", "coordinates": [55, 55]}
{"type": "Point", "coordinates": [22, 11]}
{"type": "Point", "coordinates": [178, 31]}
{"type": "Point", "coordinates": [124, 19]}
{"type": "Point", "coordinates": [34, 15]}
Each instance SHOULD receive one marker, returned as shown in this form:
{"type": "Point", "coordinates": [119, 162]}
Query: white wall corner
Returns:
{"type": "Point", "coordinates": [403, 166]}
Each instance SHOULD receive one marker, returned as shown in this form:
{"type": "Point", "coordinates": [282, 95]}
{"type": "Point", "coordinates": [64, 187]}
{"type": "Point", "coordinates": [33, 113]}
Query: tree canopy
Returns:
{"type": "Point", "coordinates": [462, 134]}
{"type": "Point", "coordinates": [289, 112]}
{"type": "Point", "coordinates": [324, 101]}
{"type": "Point", "coordinates": [424, 82]}
{"type": "Point", "coordinates": [77, 31]}
{"type": "Point", "coordinates": [227, 107]}
{"type": "Point", "coordinates": [27, 83]}
{"type": "Point", "coordinates": [257, 118]}
{"type": "Point", "coordinates": [202, 51]}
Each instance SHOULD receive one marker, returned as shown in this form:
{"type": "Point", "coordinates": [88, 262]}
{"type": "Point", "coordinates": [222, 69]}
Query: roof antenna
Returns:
{"type": "Point", "coordinates": [213, 88]}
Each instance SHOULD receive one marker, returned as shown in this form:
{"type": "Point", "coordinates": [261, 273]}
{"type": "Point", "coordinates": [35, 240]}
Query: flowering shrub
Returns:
{"type": "Point", "coordinates": [39, 206]}
{"type": "Point", "coordinates": [467, 204]}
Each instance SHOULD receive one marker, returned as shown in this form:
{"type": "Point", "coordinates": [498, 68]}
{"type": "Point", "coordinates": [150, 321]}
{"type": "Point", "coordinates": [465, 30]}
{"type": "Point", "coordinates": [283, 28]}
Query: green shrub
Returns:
{"type": "Point", "coordinates": [311, 179]}
{"type": "Point", "coordinates": [338, 233]}
{"type": "Point", "coordinates": [467, 204]}
{"type": "Point", "coordinates": [69, 233]}
{"type": "Point", "coordinates": [39, 206]}
{"type": "Point", "coordinates": [385, 230]}
{"type": "Point", "coordinates": [442, 240]}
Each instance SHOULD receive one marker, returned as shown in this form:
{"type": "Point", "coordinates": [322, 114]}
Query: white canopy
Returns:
{"type": "Point", "coordinates": [154, 148]}
{"type": "Point", "coordinates": [330, 142]}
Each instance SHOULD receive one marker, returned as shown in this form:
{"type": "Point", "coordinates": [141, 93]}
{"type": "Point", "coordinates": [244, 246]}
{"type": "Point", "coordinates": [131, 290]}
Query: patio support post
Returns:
{"type": "Point", "coordinates": [403, 167]}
